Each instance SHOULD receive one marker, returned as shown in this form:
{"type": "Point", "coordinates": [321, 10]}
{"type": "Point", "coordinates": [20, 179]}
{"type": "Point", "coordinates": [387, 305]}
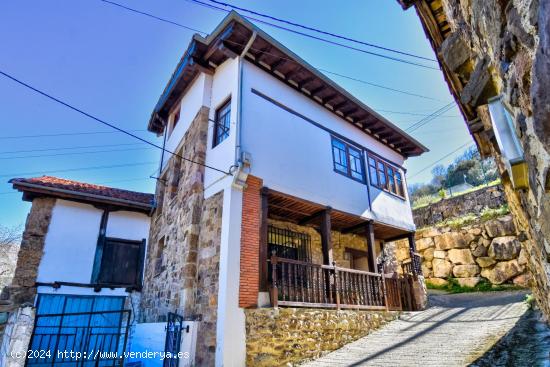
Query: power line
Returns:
{"type": "Point", "coordinates": [319, 38]}
{"type": "Point", "coordinates": [283, 58]}
{"type": "Point", "coordinates": [154, 16]}
{"type": "Point", "coordinates": [322, 31]}
{"type": "Point", "coordinates": [440, 159]}
{"type": "Point", "coordinates": [74, 153]}
{"type": "Point", "coordinates": [107, 123]}
{"type": "Point", "coordinates": [63, 134]}
{"type": "Point", "coordinates": [66, 148]}
{"type": "Point", "coordinates": [19, 174]}
{"type": "Point", "coordinates": [430, 117]}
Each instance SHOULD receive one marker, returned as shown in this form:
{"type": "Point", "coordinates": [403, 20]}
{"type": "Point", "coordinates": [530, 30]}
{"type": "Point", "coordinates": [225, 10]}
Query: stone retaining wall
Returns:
{"type": "Point", "coordinates": [470, 203]}
{"type": "Point", "coordinates": [284, 336]}
{"type": "Point", "coordinates": [490, 250]}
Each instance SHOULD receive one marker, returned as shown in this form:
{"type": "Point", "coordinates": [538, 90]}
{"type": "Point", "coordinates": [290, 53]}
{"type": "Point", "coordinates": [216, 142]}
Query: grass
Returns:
{"type": "Point", "coordinates": [485, 215]}
{"type": "Point", "coordinates": [530, 301]}
{"type": "Point", "coordinates": [432, 199]}
{"type": "Point", "coordinates": [483, 286]}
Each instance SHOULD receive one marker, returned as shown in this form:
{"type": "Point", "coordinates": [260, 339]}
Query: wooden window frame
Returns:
{"type": "Point", "coordinates": [175, 119]}
{"type": "Point", "coordinates": [398, 191]}
{"type": "Point", "coordinates": [216, 135]}
{"type": "Point", "coordinates": [349, 173]}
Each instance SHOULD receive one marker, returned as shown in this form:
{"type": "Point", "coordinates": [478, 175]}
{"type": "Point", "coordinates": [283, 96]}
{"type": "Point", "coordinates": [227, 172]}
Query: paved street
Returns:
{"type": "Point", "coordinates": [455, 331]}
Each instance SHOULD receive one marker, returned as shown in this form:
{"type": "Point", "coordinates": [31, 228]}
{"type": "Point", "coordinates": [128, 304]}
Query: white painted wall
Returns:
{"type": "Point", "coordinates": [197, 95]}
{"type": "Point", "coordinates": [70, 244]}
{"type": "Point", "coordinates": [295, 157]}
{"type": "Point", "coordinates": [224, 86]}
{"type": "Point", "coordinates": [230, 326]}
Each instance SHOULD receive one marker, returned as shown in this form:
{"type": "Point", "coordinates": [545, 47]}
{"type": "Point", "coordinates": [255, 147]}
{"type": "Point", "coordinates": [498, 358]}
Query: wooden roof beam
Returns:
{"type": "Point", "coordinates": [278, 63]}
{"type": "Point", "coordinates": [313, 216]}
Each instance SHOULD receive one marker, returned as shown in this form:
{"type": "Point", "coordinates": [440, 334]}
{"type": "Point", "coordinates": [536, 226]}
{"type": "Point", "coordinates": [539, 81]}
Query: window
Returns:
{"type": "Point", "coordinates": [385, 177]}
{"type": "Point", "coordinates": [121, 262]}
{"type": "Point", "coordinates": [222, 123]}
{"type": "Point", "coordinates": [347, 160]}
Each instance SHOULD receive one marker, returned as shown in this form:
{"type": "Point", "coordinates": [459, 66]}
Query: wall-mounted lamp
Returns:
{"type": "Point", "coordinates": [508, 143]}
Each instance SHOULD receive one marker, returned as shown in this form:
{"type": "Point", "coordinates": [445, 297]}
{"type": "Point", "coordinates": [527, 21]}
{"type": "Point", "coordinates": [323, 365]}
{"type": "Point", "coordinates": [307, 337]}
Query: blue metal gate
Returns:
{"type": "Point", "coordinates": [79, 331]}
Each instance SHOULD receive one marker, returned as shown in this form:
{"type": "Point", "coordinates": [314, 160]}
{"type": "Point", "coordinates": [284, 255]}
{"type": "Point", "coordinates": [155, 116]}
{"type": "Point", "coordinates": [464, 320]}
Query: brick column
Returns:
{"type": "Point", "coordinates": [250, 243]}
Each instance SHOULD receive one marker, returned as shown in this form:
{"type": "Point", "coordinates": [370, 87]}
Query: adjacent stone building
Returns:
{"type": "Point", "coordinates": [496, 48]}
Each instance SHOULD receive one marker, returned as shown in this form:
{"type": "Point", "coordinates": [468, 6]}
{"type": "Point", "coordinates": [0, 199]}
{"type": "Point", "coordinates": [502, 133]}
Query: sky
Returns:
{"type": "Point", "coordinates": [114, 64]}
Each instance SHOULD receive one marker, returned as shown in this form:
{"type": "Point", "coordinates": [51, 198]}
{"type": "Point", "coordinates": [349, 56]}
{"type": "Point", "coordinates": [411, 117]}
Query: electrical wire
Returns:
{"type": "Point", "coordinates": [267, 53]}
{"type": "Point", "coordinates": [440, 159]}
{"type": "Point", "coordinates": [321, 31]}
{"type": "Point", "coordinates": [63, 134]}
{"type": "Point", "coordinates": [107, 123]}
{"type": "Point", "coordinates": [430, 117]}
{"type": "Point", "coordinates": [19, 174]}
{"type": "Point", "coordinates": [67, 148]}
{"type": "Point", "coordinates": [74, 153]}
{"type": "Point", "coordinates": [198, 2]}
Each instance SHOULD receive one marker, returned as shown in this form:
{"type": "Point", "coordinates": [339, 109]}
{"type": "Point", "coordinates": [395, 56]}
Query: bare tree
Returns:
{"type": "Point", "coordinates": [10, 235]}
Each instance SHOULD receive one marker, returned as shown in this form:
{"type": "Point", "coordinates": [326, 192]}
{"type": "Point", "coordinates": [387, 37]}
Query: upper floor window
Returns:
{"type": "Point", "coordinates": [121, 262]}
{"type": "Point", "coordinates": [385, 176]}
{"type": "Point", "coordinates": [347, 160]}
{"type": "Point", "coordinates": [222, 123]}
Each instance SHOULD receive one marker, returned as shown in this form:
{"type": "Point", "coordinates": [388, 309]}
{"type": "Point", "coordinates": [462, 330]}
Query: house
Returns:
{"type": "Point", "coordinates": [282, 197]}
{"type": "Point", "coordinates": [81, 266]}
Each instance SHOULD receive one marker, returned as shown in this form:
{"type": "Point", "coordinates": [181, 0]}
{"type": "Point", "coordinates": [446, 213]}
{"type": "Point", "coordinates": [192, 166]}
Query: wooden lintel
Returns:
{"type": "Point", "coordinates": [355, 228]}
{"type": "Point", "coordinates": [312, 217]}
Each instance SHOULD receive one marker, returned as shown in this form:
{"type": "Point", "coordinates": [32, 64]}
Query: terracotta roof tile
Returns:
{"type": "Point", "coordinates": [87, 188]}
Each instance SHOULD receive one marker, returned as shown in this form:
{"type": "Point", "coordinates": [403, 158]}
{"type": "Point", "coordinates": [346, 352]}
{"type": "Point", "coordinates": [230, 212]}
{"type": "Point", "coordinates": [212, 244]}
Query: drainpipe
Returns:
{"type": "Point", "coordinates": [242, 160]}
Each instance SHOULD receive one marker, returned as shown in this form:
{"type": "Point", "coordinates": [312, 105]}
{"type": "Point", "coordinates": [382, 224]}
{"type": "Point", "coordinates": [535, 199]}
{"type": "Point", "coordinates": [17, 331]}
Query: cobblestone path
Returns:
{"type": "Point", "coordinates": [454, 331]}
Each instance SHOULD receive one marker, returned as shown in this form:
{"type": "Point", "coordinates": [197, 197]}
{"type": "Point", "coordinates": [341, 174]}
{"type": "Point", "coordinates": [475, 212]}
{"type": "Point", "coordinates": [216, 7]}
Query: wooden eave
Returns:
{"type": "Point", "coordinates": [229, 40]}
{"type": "Point", "coordinates": [32, 191]}
{"type": "Point", "coordinates": [292, 209]}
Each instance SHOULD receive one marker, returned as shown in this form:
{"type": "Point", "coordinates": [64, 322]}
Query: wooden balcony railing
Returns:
{"type": "Point", "coordinates": [302, 284]}
{"type": "Point", "coordinates": [414, 265]}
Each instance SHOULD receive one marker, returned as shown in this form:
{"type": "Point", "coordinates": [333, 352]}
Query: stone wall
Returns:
{"type": "Point", "coordinates": [284, 336]}
{"type": "Point", "coordinates": [22, 290]}
{"type": "Point", "coordinates": [481, 250]}
{"type": "Point", "coordinates": [13, 347]}
{"type": "Point", "coordinates": [182, 265]}
{"type": "Point", "coordinates": [470, 203]}
{"type": "Point", "coordinates": [503, 49]}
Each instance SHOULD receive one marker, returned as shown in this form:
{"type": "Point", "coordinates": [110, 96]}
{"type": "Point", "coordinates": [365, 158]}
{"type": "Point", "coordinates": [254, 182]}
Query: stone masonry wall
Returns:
{"type": "Point", "coordinates": [182, 266]}
{"type": "Point", "coordinates": [489, 250]}
{"type": "Point", "coordinates": [503, 48]}
{"type": "Point", "coordinates": [22, 289]}
{"type": "Point", "coordinates": [284, 336]}
{"type": "Point", "coordinates": [470, 203]}
{"type": "Point", "coordinates": [171, 265]}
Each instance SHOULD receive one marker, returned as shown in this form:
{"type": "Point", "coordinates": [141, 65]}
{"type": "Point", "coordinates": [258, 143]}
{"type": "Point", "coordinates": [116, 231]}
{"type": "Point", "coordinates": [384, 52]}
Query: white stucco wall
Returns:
{"type": "Point", "coordinates": [224, 86]}
{"type": "Point", "coordinates": [197, 95]}
{"type": "Point", "coordinates": [293, 156]}
{"type": "Point", "coordinates": [71, 241]}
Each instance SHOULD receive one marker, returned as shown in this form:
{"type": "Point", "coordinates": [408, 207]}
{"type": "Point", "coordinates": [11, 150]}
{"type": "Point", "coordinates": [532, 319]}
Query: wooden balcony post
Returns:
{"type": "Point", "coordinates": [384, 292]}
{"type": "Point", "coordinates": [263, 240]}
{"type": "Point", "coordinates": [336, 286]}
{"type": "Point", "coordinates": [371, 253]}
{"type": "Point", "coordinates": [274, 289]}
{"type": "Point", "coordinates": [326, 244]}
{"type": "Point", "coordinates": [326, 237]}
{"type": "Point", "coordinates": [412, 251]}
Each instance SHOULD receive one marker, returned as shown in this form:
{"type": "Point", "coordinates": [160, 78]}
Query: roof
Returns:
{"type": "Point", "coordinates": [234, 36]}
{"type": "Point", "coordinates": [83, 191]}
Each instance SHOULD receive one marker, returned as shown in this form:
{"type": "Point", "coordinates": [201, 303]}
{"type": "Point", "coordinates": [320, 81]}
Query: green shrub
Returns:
{"type": "Point", "coordinates": [483, 286]}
